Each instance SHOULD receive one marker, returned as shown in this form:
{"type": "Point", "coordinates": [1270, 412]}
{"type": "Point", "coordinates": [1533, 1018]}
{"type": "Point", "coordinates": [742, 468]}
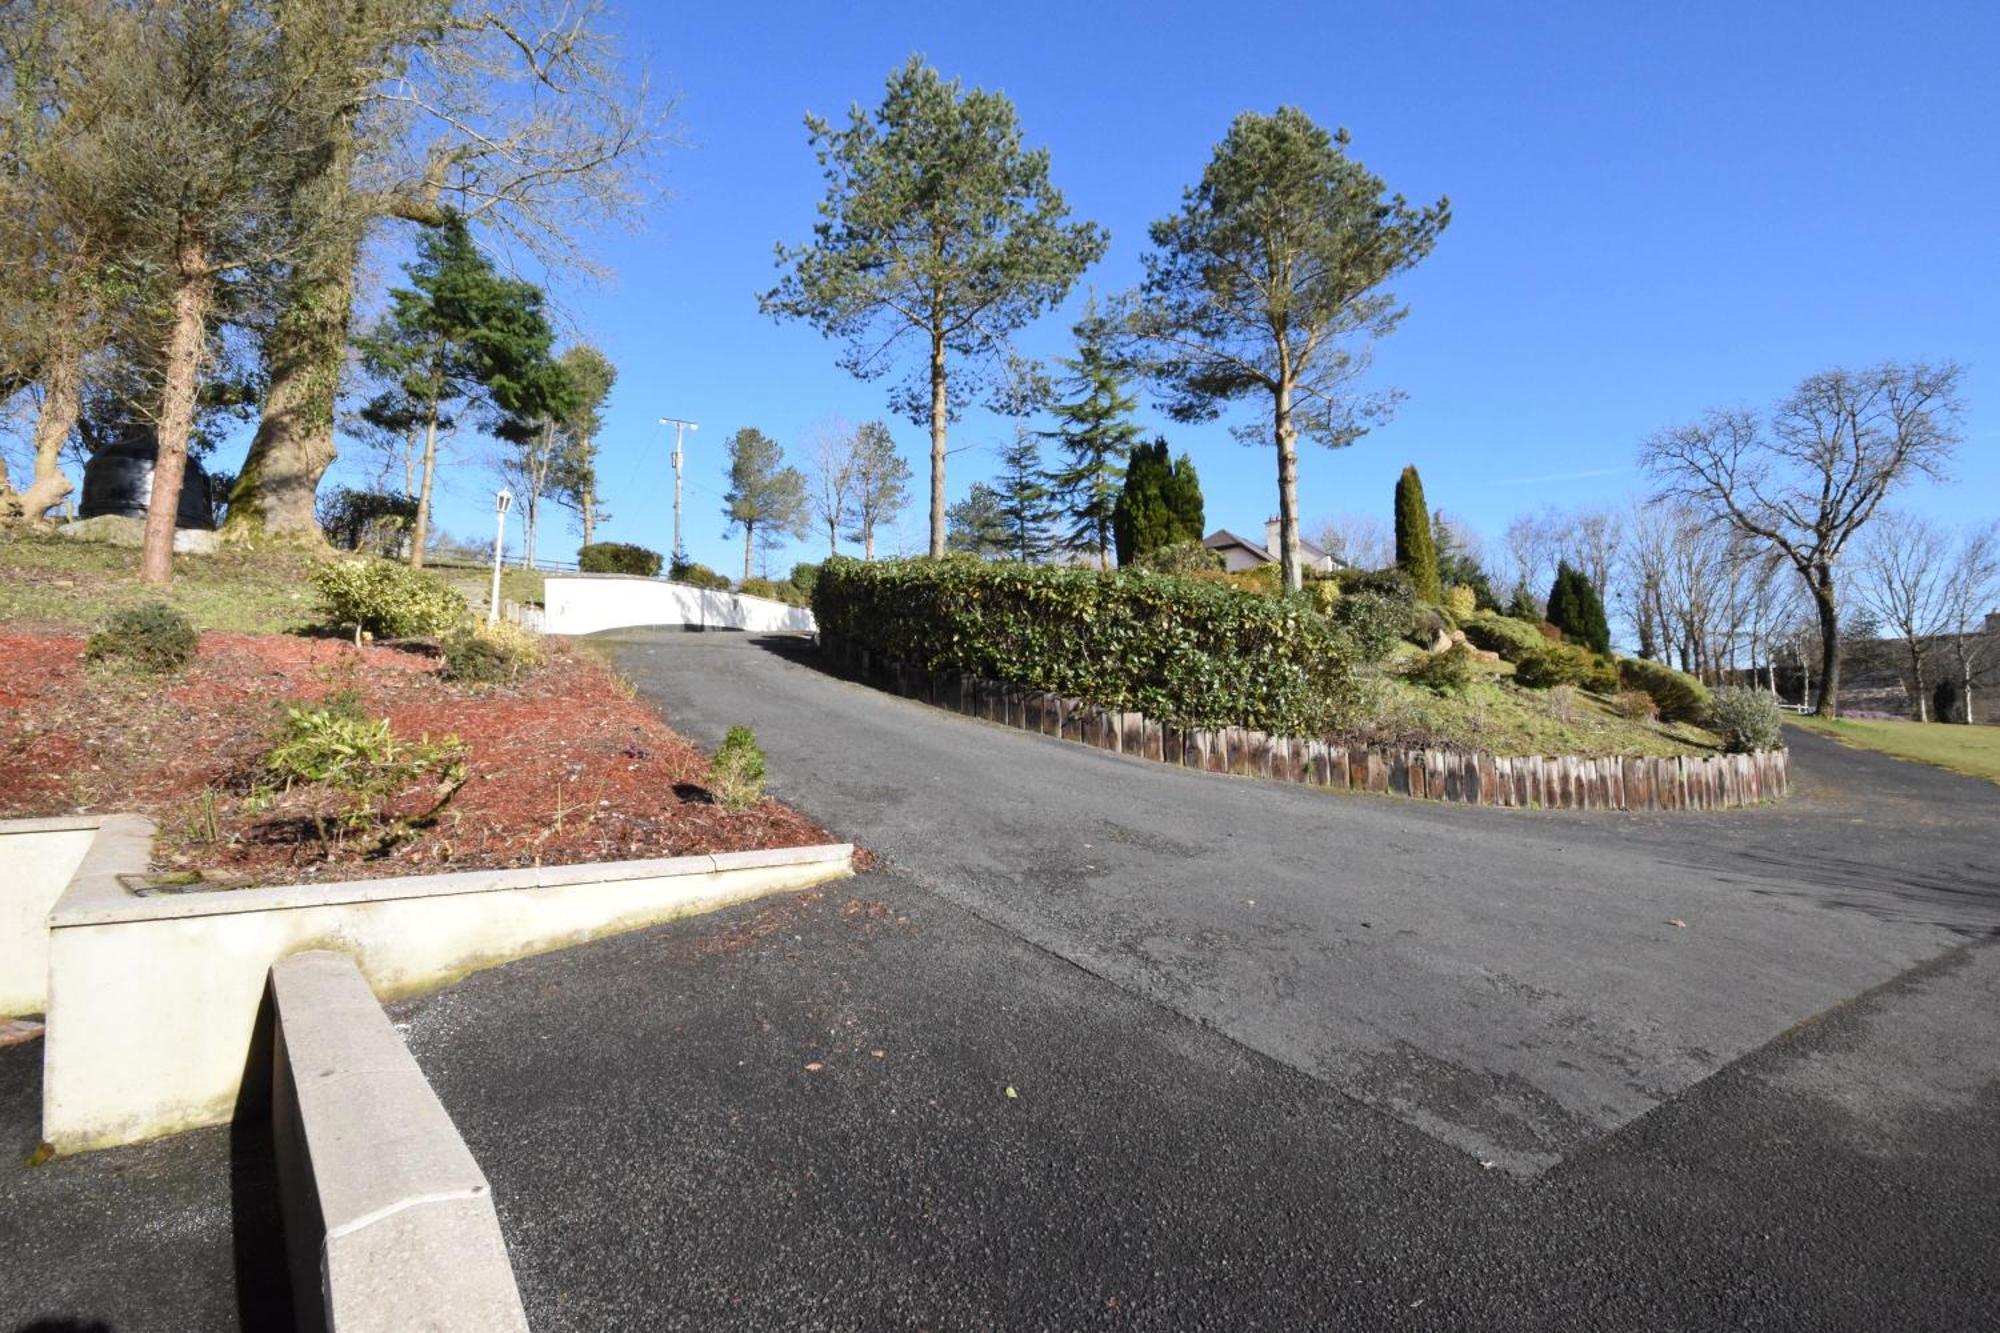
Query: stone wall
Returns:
{"type": "Point", "coordinates": [1561, 782]}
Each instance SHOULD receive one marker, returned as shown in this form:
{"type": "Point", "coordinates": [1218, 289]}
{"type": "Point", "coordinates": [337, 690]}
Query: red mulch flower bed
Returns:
{"type": "Point", "coordinates": [565, 766]}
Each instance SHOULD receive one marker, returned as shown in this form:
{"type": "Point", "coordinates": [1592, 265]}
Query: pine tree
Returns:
{"type": "Point", "coordinates": [1577, 610]}
{"type": "Point", "coordinates": [765, 499]}
{"type": "Point", "coordinates": [1026, 502]}
{"type": "Point", "coordinates": [1416, 549]}
{"type": "Point", "coordinates": [977, 525]}
{"type": "Point", "coordinates": [1096, 432]}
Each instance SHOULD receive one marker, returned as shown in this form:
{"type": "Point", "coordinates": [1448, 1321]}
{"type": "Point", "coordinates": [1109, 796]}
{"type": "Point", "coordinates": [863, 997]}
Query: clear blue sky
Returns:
{"type": "Point", "coordinates": [1656, 209]}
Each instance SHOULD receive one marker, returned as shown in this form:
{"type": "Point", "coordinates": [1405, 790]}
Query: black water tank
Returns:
{"type": "Point", "coordinates": [118, 479]}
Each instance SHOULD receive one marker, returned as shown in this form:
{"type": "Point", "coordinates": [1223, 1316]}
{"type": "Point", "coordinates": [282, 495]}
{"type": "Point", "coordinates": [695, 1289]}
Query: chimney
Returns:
{"type": "Point", "coordinates": [1271, 539]}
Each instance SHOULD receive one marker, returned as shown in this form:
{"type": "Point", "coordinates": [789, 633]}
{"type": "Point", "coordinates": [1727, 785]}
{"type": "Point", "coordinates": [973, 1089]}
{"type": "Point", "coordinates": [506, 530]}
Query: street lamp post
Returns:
{"type": "Point", "coordinates": [678, 425]}
{"type": "Point", "coordinates": [501, 499]}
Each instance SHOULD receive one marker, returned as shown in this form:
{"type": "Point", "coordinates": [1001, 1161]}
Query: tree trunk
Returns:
{"type": "Point", "coordinates": [1289, 574]}
{"type": "Point", "coordinates": [304, 354]}
{"type": "Point", "coordinates": [1964, 682]}
{"type": "Point", "coordinates": [868, 542]}
{"type": "Point", "coordinates": [423, 526]}
{"type": "Point", "coordinates": [748, 533]}
{"type": "Point", "coordinates": [589, 508]}
{"type": "Point", "coordinates": [62, 383]}
{"type": "Point", "coordinates": [177, 394]}
{"type": "Point", "coordinates": [1917, 681]}
{"type": "Point", "coordinates": [1821, 584]}
{"type": "Point", "coordinates": [940, 412]}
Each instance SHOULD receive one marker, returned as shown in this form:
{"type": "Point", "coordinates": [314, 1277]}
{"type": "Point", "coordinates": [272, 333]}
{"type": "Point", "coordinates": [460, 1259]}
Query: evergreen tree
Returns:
{"type": "Point", "coordinates": [977, 525]}
{"type": "Point", "coordinates": [1521, 605]}
{"type": "Point", "coordinates": [1026, 501]}
{"type": "Point", "coordinates": [881, 483]}
{"type": "Point", "coordinates": [1096, 432]}
{"type": "Point", "coordinates": [1458, 564]}
{"type": "Point", "coordinates": [1577, 610]}
{"type": "Point", "coordinates": [1416, 549]}
{"type": "Point", "coordinates": [459, 337]}
{"type": "Point", "coordinates": [1183, 496]}
{"type": "Point", "coordinates": [766, 499]}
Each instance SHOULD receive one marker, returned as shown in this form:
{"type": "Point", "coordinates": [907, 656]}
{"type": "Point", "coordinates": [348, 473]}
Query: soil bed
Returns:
{"type": "Point", "coordinates": [564, 767]}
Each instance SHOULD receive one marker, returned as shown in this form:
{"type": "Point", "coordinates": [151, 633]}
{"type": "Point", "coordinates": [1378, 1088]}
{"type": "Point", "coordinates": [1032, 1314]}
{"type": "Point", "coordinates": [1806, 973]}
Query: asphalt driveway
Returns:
{"type": "Point", "coordinates": [1513, 983]}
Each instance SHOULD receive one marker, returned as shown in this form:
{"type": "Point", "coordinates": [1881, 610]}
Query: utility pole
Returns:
{"type": "Point", "coordinates": [679, 556]}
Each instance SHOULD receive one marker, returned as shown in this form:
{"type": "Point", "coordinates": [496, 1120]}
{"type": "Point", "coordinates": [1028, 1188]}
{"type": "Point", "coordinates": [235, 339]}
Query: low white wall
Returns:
{"type": "Point", "coordinates": [153, 1001]}
{"type": "Point", "coordinates": [37, 859]}
{"type": "Point", "coordinates": [388, 1219]}
{"type": "Point", "coordinates": [588, 603]}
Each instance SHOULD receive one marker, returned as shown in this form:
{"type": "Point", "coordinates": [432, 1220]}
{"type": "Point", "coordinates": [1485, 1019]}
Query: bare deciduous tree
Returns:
{"type": "Point", "coordinates": [1903, 577]}
{"type": "Point", "coordinates": [1971, 590]}
{"type": "Point", "coordinates": [1810, 478]}
{"type": "Point", "coordinates": [1361, 540]}
{"type": "Point", "coordinates": [832, 460]}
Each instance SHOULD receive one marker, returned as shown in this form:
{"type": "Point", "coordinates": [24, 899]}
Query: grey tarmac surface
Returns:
{"type": "Point", "coordinates": [1510, 982]}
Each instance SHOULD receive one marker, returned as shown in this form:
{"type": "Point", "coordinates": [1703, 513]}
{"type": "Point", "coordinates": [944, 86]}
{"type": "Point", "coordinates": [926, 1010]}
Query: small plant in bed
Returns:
{"type": "Point", "coordinates": [385, 599]}
{"type": "Point", "coordinates": [1448, 672]}
{"type": "Point", "coordinates": [736, 778]}
{"type": "Point", "coordinates": [1746, 719]}
{"type": "Point", "coordinates": [362, 767]}
{"type": "Point", "coordinates": [152, 638]}
{"type": "Point", "coordinates": [493, 653]}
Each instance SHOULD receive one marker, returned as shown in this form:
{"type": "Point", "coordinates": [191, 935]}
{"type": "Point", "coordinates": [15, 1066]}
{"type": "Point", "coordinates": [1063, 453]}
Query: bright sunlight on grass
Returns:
{"type": "Point", "coordinates": [1973, 751]}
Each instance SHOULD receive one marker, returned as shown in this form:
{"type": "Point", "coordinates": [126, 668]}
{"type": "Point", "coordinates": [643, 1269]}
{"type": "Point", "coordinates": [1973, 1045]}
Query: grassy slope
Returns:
{"type": "Point", "coordinates": [48, 580]}
{"type": "Point", "coordinates": [1973, 751]}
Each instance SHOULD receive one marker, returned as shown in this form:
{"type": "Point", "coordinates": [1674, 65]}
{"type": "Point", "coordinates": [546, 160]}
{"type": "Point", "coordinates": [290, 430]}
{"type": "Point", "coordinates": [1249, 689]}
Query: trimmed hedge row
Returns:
{"type": "Point", "coordinates": [1182, 651]}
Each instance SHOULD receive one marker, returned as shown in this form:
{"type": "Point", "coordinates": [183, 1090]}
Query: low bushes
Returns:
{"type": "Point", "coordinates": [364, 766]}
{"type": "Point", "coordinates": [1566, 664]}
{"type": "Point", "coordinates": [1512, 639]}
{"type": "Point", "coordinates": [697, 576]}
{"type": "Point", "coordinates": [1448, 672]}
{"type": "Point", "coordinates": [617, 558]}
{"type": "Point", "coordinates": [152, 638]}
{"type": "Point", "coordinates": [489, 653]}
{"type": "Point", "coordinates": [1746, 719]}
{"type": "Point", "coordinates": [789, 593]}
{"type": "Point", "coordinates": [1189, 557]}
{"type": "Point", "coordinates": [1183, 651]}
{"type": "Point", "coordinates": [386, 599]}
{"type": "Point", "coordinates": [1678, 696]}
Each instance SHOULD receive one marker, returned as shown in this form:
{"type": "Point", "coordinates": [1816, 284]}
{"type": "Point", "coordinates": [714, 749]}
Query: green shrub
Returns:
{"type": "Point", "coordinates": [698, 576]}
{"type": "Point", "coordinates": [776, 591]}
{"type": "Point", "coordinates": [804, 576]}
{"type": "Point", "coordinates": [151, 637]}
{"type": "Point", "coordinates": [1448, 672]}
{"type": "Point", "coordinates": [386, 599]}
{"type": "Point", "coordinates": [1566, 664]}
{"type": "Point", "coordinates": [1373, 622]}
{"type": "Point", "coordinates": [1746, 719]}
{"type": "Point", "coordinates": [1512, 639]}
{"type": "Point", "coordinates": [1392, 583]}
{"type": "Point", "coordinates": [1186, 651]}
{"type": "Point", "coordinates": [617, 558]}
{"type": "Point", "coordinates": [1460, 601]}
{"type": "Point", "coordinates": [1634, 706]}
{"type": "Point", "coordinates": [489, 653]}
{"type": "Point", "coordinates": [1678, 696]}
{"type": "Point", "coordinates": [1426, 624]}
{"type": "Point", "coordinates": [362, 761]}
{"type": "Point", "coordinates": [736, 778]}
{"type": "Point", "coordinates": [1189, 557]}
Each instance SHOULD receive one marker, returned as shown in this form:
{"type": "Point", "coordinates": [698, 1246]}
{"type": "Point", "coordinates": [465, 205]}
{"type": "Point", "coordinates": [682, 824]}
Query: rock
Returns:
{"type": "Point", "coordinates": [119, 531]}
{"type": "Point", "coordinates": [1441, 643]}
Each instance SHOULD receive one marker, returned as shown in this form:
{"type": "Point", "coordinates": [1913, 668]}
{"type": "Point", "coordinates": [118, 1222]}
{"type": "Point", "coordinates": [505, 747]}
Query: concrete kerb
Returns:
{"type": "Point", "coordinates": [153, 1001]}
{"type": "Point", "coordinates": [38, 860]}
{"type": "Point", "coordinates": [388, 1219]}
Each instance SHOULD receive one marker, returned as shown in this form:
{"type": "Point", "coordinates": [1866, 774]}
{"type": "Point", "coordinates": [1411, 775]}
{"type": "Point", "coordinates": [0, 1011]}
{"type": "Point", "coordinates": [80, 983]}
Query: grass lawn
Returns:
{"type": "Point", "coordinates": [1973, 751]}
{"type": "Point", "coordinates": [60, 581]}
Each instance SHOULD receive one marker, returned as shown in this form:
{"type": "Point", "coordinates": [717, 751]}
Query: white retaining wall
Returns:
{"type": "Point", "coordinates": [37, 859]}
{"type": "Point", "coordinates": [388, 1219]}
{"type": "Point", "coordinates": [589, 603]}
{"type": "Point", "coordinates": [153, 1001]}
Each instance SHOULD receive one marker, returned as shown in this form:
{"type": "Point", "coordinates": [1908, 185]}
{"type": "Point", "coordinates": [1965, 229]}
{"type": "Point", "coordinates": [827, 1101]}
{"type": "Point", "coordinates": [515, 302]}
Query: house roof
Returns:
{"type": "Point", "coordinates": [1222, 537]}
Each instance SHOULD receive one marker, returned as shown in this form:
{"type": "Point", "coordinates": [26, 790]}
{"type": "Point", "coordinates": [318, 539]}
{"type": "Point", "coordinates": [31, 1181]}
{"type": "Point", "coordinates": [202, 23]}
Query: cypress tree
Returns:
{"type": "Point", "coordinates": [1416, 550]}
{"type": "Point", "coordinates": [1183, 496]}
{"type": "Point", "coordinates": [1577, 610]}
{"type": "Point", "coordinates": [1141, 520]}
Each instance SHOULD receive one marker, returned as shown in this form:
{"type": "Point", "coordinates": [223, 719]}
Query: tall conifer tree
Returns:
{"type": "Point", "coordinates": [1416, 548]}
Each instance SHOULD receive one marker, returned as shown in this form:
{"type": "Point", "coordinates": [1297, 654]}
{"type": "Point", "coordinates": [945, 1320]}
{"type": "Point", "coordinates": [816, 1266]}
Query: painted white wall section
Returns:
{"type": "Point", "coordinates": [590, 603]}
{"type": "Point", "coordinates": [37, 859]}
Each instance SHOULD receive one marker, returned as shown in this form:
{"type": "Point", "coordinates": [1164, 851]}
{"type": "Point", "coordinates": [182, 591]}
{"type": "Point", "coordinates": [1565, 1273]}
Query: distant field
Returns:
{"type": "Point", "coordinates": [1973, 751]}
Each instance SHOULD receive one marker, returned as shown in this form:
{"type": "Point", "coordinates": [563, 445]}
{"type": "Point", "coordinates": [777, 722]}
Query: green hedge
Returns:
{"type": "Point", "coordinates": [387, 599]}
{"type": "Point", "coordinates": [1678, 696]}
{"type": "Point", "coordinates": [617, 558]}
{"type": "Point", "coordinates": [1182, 651]}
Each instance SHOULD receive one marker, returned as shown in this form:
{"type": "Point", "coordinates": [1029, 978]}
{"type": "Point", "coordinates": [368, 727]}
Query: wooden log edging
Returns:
{"type": "Point", "coordinates": [1563, 782]}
